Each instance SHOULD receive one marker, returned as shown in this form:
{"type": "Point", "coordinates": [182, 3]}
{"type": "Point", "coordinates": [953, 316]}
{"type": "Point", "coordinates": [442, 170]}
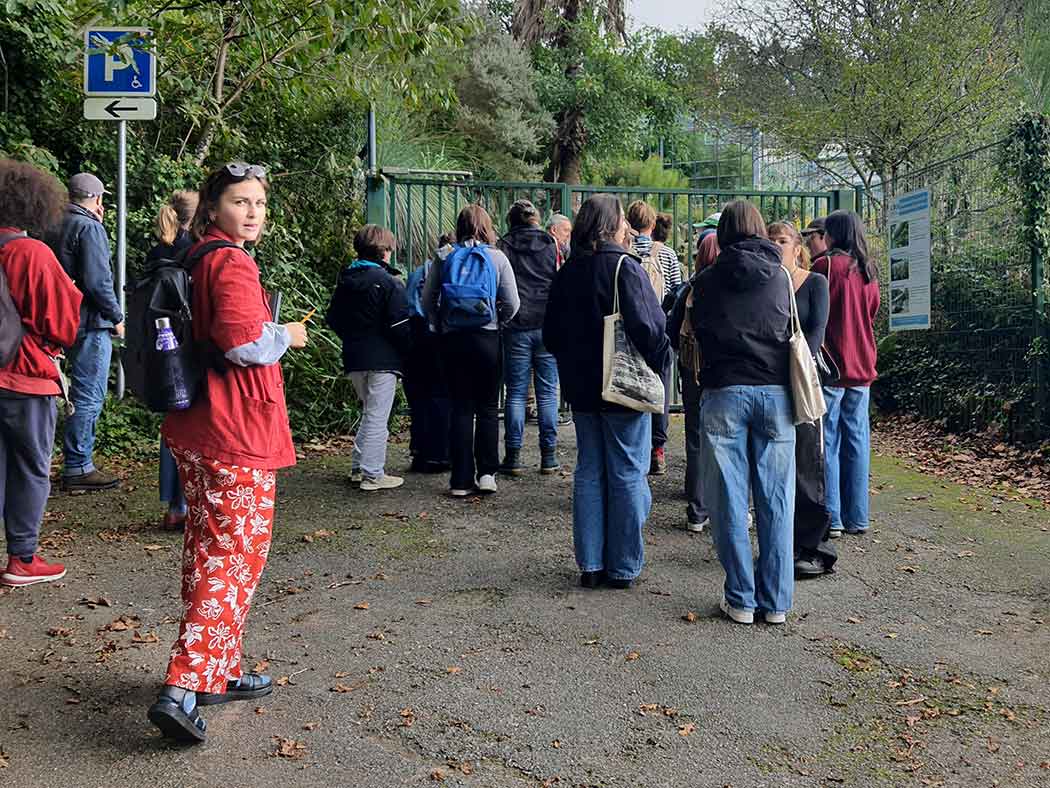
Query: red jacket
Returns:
{"type": "Point", "coordinates": [49, 304]}
{"type": "Point", "coordinates": [240, 415]}
{"type": "Point", "coordinates": [851, 319]}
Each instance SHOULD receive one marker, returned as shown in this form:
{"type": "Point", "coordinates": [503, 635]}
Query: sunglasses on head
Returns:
{"type": "Point", "coordinates": [240, 169]}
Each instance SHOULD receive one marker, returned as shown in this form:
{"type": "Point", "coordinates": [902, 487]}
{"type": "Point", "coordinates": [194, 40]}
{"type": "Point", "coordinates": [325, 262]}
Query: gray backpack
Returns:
{"type": "Point", "coordinates": [11, 328]}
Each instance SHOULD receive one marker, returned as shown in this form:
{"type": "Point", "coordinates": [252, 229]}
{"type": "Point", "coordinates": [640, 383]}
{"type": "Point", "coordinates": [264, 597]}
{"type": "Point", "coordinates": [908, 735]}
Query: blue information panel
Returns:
{"type": "Point", "coordinates": [118, 61]}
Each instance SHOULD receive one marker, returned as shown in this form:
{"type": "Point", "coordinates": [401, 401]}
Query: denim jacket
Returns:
{"type": "Point", "coordinates": [82, 247]}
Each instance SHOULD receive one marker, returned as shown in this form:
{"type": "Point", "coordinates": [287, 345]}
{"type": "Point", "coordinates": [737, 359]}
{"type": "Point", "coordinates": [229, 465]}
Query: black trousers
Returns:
{"type": "Point", "coordinates": [472, 371]}
{"type": "Point", "coordinates": [427, 395]}
{"type": "Point", "coordinates": [812, 520]}
{"type": "Point", "coordinates": [660, 419]}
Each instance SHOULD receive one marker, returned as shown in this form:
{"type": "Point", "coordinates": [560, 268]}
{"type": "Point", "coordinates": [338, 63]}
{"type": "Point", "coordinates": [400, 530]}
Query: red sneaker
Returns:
{"type": "Point", "coordinates": [657, 462]}
{"type": "Point", "coordinates": [19, 573]}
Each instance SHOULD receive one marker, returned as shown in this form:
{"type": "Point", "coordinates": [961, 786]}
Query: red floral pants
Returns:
{"type": "Point", "coordinates": [226, 543]}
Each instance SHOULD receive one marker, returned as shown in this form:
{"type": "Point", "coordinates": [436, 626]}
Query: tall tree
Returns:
{"type": "Point", "coordinates": [886, 83]}
{"type": "Point", "coordinates": [560, 25]}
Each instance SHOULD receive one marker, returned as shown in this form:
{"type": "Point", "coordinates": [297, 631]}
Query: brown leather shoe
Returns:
{"type": "Point", "coordinates": [89, 482]}
{"type": "Point", "coordinates": [173, 522]}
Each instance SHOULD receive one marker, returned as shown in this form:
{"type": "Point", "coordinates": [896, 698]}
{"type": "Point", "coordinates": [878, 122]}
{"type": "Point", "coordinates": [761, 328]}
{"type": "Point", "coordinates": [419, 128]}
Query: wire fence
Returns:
{"type": "Point", "coordinates": [979, 363]}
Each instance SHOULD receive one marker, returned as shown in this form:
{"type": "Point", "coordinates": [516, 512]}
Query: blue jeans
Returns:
{"type": "Point", "coordinates": [847, 463]}
{"type": "Point", "coordinates": [611, 497]}
{"type": "Point", "coordinates": [170, 484]}
{"type": "Point", "coordinates": [748, 444]}
{"type": "Point", "coordinates": [88, 380]}
{"type": "Point", "coordinates": [523, 352]}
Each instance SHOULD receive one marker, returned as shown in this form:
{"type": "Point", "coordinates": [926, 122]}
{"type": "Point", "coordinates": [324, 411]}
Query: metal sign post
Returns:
{"type": "Point", "coordinates": [120, 79]}
{"type": "Point", "coordinates": [122, 241]}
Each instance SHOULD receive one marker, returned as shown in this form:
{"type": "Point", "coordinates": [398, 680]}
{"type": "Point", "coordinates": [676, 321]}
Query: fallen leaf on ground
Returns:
{"type": "Point", "coordinates": [288, 748]}
{"type": "Point", "coordinates": [361, 606]}
{"type": "Point", "coordinates": [152, 548]}
{"type": "Point", "coordinates": [437, 775]}
{"type": "Point", "coordinates": [376, 636]}
{"type": "Point", "coordinates": [4, 760]}
{"type": "Point", "coordinates": [99, 601]}
{"type": "Point", "coordinates": [556, 744]}
{"type": "Point", "coordinates": [685, 730]}
{"type": "Point", "coordinates": [466, 767]}
{"type": "Point", "coordinates": [424, 602]}
{"type": "Point", "coordinates": [149, 637]}
{"type": "Point", "coordinates": [282, 681]}
{"type": "Point", "coordinates": [691, 617]}
{"type": "Point", "coordinates": [631, 656]}
{"type": "Point", "coordinates": [123, 624]}
{"type": "Point", "coordinates": [852, 620]}
{"type": "Point", "coordinates": [59, 632]}
{"type": "Point", "coordinates": [453, 670]}
{"type": "Point", "coordinates": [261, 665]}
{"type": "Point", "coordinates": [311, 726]}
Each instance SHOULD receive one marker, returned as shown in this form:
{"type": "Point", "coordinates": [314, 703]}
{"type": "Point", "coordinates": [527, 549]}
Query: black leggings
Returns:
{"type": "Point", "coordinates": [472, 372]}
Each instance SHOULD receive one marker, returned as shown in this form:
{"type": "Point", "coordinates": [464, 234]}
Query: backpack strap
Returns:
{"type": "Point", "coordinates": [6, 238]}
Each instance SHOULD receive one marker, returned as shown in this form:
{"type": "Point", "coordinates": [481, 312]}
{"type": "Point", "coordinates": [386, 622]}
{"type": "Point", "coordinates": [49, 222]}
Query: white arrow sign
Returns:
{"type": "Point", "coordinates": [120, 108]}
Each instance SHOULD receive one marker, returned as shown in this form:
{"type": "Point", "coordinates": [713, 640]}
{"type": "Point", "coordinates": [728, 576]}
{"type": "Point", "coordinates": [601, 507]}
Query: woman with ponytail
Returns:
{"type": "Point", "coordinates": [173, 232]}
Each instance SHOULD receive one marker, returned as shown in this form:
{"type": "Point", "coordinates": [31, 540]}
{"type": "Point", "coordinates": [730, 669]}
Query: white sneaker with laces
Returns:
{"type": "Point", "coordinates": [383, 482]}
{"type": "Point", "coordinates": [775, 618]}
{"type": "Point", "coordinates": [698, 528]}
{"type": "Point", "coordinates": [736, 614]}
{"type": "Point", "coordinates": [458, 493]}
{"type": "Point", "coordinates": [487, 483]}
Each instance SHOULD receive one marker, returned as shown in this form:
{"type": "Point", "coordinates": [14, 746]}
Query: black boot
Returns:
{"type": "Point", "coordinates": [549, 461]}
{"type": "Point", "coordinates": [512, 463]}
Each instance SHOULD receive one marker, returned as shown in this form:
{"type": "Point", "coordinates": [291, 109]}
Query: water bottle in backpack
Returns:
{"type": "Point", "coordinates": [172, 380]}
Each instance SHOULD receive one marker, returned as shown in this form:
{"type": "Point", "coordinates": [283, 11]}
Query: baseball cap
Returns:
{"type": "Point", "coordinates": [815, 226]}
{"type": "Point", "coordinates": [87, 185]}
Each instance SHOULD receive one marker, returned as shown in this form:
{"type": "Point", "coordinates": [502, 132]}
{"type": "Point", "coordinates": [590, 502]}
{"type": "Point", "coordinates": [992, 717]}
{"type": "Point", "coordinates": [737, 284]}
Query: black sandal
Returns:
{"type": "Point", "coordinates": [247, 687]}
{"type": "Point", "coordinates": [177, 722]}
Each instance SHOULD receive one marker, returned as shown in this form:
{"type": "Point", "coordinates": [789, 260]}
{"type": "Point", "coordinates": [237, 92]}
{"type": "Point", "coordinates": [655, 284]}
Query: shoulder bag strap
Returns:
{"type": "Point", "coordinates": [796, 325]}
{"type": "Point", "coordinates": [616, 285]}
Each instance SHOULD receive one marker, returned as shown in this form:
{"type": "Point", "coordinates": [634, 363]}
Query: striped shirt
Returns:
{"type": "Point", "coordinates": [665, 256]}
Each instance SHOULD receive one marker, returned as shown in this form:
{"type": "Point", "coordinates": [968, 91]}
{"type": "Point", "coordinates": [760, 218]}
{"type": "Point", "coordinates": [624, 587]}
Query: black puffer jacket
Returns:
{"type": "Point", "coordinates": [533, 255]}
{"type": "Point", "coordinates": [369, 312]}
{"type": "Point", "coordinates": [741, 315]}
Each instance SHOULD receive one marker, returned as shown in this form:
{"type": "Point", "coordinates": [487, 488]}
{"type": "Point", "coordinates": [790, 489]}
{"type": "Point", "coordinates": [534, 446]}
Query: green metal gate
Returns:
{"type": "Point", "coordinates": [420, 206]}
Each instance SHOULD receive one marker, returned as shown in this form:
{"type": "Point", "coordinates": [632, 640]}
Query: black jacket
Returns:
{"type": "Point", "coordinates": [581, 297]}
{"type": "Point", "coordinates": [533, 255]}
{"type": "Point", "coordinates": [81, 245]}
{"type": "Point", "coordinates": [369, 312]}
{"type": "Point", "coordinates": [163, 251]}
{"type": "Point", "coordinates": [741, 315]}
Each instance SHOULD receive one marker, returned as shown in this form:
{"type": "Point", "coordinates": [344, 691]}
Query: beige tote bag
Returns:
{"type": "Point", "coordinates": [806, 391]}
{"type": "Point", "coordinates": [626, 379]}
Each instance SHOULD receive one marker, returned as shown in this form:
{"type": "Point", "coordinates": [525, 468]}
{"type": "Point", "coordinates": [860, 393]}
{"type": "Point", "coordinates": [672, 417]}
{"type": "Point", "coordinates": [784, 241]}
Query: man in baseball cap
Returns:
{"type": "Point", "coordinates": [815, 238]}
{"type": "Point", "coordinates": [82, 247]}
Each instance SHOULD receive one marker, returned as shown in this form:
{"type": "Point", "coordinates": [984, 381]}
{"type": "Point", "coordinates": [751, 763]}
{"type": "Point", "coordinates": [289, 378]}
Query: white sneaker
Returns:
{"type": "Point", "coordinates": [355, 476]}
{"type": "Point", "coordinates": [698, 528]}
{"type": "Point", "coordinates": [383, 482]}
{"type": "Point", "coordinates": [775, 618]}
{"type": "Point", "coordinates": [458, 493]}
{"type": "Point", "coordinates": [737, 615]}
{"type": "Point", "coordinates": [487, 483]}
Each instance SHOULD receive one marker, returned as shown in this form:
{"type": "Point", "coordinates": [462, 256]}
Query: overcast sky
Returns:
{"type": "Point", "coordinates": [671, 15]}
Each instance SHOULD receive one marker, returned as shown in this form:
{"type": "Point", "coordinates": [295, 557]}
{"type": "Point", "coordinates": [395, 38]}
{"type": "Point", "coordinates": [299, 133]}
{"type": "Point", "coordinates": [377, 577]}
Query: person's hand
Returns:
{"type": "Point", "coordinates": [297, 331]}
{"type": "Point", "coordinates": [118, 329]}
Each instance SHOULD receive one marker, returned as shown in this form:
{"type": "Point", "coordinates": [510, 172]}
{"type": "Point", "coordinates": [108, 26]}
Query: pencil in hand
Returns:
{"type": "Point", "coordinates": [309, 315]}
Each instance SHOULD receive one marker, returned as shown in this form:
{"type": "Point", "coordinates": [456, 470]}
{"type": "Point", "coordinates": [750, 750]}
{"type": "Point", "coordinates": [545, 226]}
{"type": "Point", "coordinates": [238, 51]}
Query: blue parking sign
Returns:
{"type": "Point", "coordinates": [119, 61]}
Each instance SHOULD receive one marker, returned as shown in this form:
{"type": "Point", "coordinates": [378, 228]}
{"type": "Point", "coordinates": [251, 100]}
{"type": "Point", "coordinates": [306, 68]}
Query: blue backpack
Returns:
{"type": "Point", "coordinates": [414, 290]}
{"type": "Point", "coordinates": [468, 288]}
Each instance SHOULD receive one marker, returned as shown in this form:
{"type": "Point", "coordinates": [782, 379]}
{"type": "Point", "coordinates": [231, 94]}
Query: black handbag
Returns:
{"type": "Point", "coordinates": [827, 367]}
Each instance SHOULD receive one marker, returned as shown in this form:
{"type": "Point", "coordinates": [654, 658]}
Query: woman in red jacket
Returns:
{"type": "Point", "coordinates": [227, 446]}
{"type": "Point", "coordinates": [854, 285]}
{"type": "Point", "coordinates": [48, 304]}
